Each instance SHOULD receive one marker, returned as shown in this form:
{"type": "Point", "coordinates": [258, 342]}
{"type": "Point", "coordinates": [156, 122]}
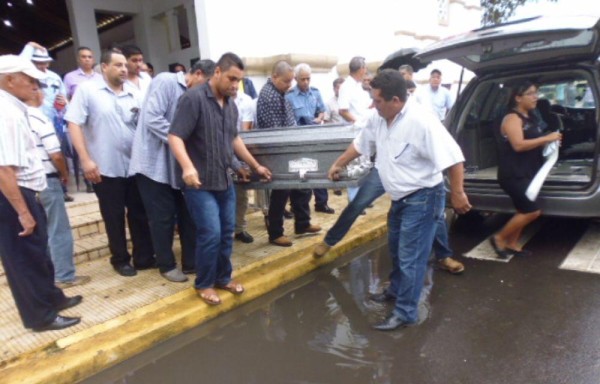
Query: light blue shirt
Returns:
{"type": "Point", "coordinates": [150, 155]}
{"type": "Point", "coordinates": [108, 122]}
{"type": "Point", "coordinates": [307, 105]}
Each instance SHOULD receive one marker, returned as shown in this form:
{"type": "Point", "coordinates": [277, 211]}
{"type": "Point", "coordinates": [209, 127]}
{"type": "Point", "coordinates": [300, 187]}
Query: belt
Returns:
{"type": "Point", "coordinates": [52, 175]}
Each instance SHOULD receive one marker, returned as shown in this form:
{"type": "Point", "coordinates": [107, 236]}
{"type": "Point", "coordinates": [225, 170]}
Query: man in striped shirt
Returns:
{"type": "Point", "coordinates": [60, 238]}
{"type": "Point", "coordinates": [23, 238]}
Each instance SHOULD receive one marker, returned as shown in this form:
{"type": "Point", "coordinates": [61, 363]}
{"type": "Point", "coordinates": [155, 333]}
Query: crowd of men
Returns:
{"type": "Point", "coordinates": [161, 153]}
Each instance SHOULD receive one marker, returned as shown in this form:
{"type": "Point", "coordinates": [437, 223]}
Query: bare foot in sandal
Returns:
{"type": "Point", "coordinates": [209, 295]}
{"type": "Point", "coordinates": [233, 287]}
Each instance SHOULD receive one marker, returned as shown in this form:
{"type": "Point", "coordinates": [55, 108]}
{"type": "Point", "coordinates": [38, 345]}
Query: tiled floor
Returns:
{"type": "Point", "coordinates": [109, 295]}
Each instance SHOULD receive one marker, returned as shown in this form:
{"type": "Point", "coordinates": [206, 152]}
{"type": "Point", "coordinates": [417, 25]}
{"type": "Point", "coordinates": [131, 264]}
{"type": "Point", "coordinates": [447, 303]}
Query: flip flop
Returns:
{"type": "Point", "coordinates": [502, 253]}
{"type": "Point", "coordinates": [521, 253]}
{"type": "Point", "coordinates": [209, 296]}
{"type": "Point", "coordinates": [232, 287]}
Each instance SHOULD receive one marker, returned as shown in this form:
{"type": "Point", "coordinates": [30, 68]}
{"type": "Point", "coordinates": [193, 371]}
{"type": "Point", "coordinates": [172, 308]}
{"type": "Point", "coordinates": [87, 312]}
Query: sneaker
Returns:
{"type": "Point", "coordinates": [282, 241]}
{"type": "Point", "coordinates": [78, 280]}
{"type": "Point", "coordinates": [244, 237]}
{"type": "Point", "coordinates": [312, 228]}
{"type": "Point", "coordinates": [321, 250]}
{"type": "Point", "coordinates": [451, 265]}
{"type": "Point", "coordinates": [175, 276]}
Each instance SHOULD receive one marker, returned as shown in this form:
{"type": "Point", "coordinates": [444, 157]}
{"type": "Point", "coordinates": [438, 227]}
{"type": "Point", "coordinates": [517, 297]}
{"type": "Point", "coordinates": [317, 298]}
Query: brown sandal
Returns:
{"type": "Point", "coordinates": [233, 287]}
{"type": "Point", "coordinates": [209, 296]}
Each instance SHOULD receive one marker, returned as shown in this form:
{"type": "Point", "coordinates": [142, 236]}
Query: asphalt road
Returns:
{"type": "Point", "coordinates": [526, 321]}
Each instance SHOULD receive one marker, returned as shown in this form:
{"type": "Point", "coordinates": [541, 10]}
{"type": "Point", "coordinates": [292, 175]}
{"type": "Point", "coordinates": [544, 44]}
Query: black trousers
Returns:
{"type": "Point", "coordinates": [118, 196]}
{"type": "Point", "coordinates": [27, 264]}
{"type": "Point", "coordinates": [299, 198]}
{"type": "Point", "coordinates": [165, 206]}
{"type": "Point", "coordinates": [321, 196]}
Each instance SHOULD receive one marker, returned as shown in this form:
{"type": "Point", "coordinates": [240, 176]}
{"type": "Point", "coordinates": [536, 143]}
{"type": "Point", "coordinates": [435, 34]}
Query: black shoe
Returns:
{"type": "Point", "coordinates": [267, 222]}
{"type": "Point", "coordinates": [337, 192]}
{"type": "Point", "coordinates": [288, 214]}
{"type": "Point", "coordinates": [69, 302]}
{"type": "Point", "coordinates": [363, 213]}
{"type": "Point", "coordinates": [189, 271]}
{"type": "Point", "coordinates": [147, 266]}
{"type": "Point", "coordinates": [89, 188]}
{"type": "Point", "coordinates": [390, 323]}
{"type": "Point", "coordinates": [125, 270]}
{"type": "Point", "coordinates": [383, 297]}
{"type": "Point", "coordinates": [324, 208]}
{"type": "Point", "coordinates": [244, 237]}
{"type": "Point", "coordinates": [68, 198]}
{"type": "Point", "coordinates": [60, 322]}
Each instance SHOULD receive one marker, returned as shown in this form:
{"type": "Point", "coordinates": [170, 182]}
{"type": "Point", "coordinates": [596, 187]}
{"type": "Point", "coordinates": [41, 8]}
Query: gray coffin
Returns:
{"type": "Point", "coordinates": [299, 157]}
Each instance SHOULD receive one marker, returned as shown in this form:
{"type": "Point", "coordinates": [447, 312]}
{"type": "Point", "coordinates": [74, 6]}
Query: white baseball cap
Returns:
{"type": "Point", "coordinates": [16, 64]}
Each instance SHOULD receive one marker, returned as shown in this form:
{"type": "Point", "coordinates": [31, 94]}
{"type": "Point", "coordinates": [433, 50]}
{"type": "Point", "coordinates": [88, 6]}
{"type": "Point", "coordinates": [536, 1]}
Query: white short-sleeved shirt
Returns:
{"type": "Point", "coordinates": [45, 137]}
{"type": "Point", "coordinates": [144, 80]}
{"type": "Point", "coordinates": [17, 144]}
{"type": "Point", "coordinates": [354, 98]}
{"type": "Point", "coordinates": [412, 152]}
{"type": "Point", "coordinates": [246, 109]}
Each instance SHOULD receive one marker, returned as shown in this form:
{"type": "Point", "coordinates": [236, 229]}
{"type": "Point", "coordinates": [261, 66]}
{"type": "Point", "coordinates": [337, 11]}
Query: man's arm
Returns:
{"type": "Point", "coordinates": [90, 168]}
{"type": "Point", "coordinates": [190, 175]}
{"type": "Point", "coordinates": [58, 160]}
{"type": "Point", "coordinates": [349, 154]}
{"type": "Point", "coordinates": [345, 113]}
{"type": "Point", "coordinates": [458, 198]}
{"type": "Point", "coordinates": [240, 150]}
{"type": "Point", "coordinates": [10, 189]}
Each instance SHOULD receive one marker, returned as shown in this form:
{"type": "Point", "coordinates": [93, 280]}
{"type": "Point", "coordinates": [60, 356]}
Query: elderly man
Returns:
{"type": "Point", "coordinates": [274, 110]}
{"type": "Point", "coordinates": [102, 120]}
{"type": "Point", "coordinates": [55, 93]}
{"type": "Point", "coordinates": [23, 237]}
{"type": "Point", "coordinates": [156, 170]}
{"type": "Point", "coordinates": [308, 109]}
{"type": "Point", "coordinates": [413, 149]}
{"type": "Point", "coordinates": [204, 137]}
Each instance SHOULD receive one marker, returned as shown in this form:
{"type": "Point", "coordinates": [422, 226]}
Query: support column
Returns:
{"type": "Point", "coordinates": [173, 30]}
{"type": "Point", "coordinates": [83, 26]}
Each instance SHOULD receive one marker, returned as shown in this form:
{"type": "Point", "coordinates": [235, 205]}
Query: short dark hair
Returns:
{"type": "Point", "coordinates": [338, 81]}
{"type": "Point", "coordinates": [129, 50]}
{"type": "Point", "coordinates": [390, 83]}
{"type": "Point", "coordinates": [149, 65]}
{"type": "Point", "coordinates": [229, 60]}
{"type": "Point", "coordinates": [179, 65]}
{"type": "Point", "coordinates": [207, 67]}
{"type": "Point", "coordinates": [518, 89]}
{"type": "Point", "coordinates": [435, 71]}
{"type": "Point", "coordinates": [83, 48]}
{"type": "Point", "coordinates": [106, 56]}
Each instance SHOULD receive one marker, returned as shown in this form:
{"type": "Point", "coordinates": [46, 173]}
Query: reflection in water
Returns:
{"type": "Point", "coordinates": [318, 333]}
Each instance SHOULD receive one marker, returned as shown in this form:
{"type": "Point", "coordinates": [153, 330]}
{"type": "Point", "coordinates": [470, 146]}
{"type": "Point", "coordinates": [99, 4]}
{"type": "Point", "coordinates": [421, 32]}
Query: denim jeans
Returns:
{"type": "Point", "coordinates": [213, 212]}
{"type": "Point", "coordinates": [164, 207]}
{"type": "Point", "coordinates": [368, 192]}
{"type": "Point", "coordinates": [60, 238]}
{"type": "Point", "coordinates": [412, 223]}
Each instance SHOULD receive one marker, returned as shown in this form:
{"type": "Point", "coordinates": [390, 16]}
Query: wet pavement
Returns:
{"type": "Point", "coordinates": [526, 321]}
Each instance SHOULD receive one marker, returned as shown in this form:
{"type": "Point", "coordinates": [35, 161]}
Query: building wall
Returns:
{"type": "Point", "coordinates": [326, 34]}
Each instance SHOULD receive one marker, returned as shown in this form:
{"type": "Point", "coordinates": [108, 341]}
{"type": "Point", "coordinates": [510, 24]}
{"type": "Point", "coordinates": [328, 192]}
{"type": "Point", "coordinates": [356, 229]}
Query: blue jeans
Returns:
{"type": "Point", "coordinates": [213, 213]}
{"type": "Point", "coordinates": [60, 238]}
{"type": "Point", "coordinates": [412, 223]}
{"type": "Point", "coordinates": [368, 192]}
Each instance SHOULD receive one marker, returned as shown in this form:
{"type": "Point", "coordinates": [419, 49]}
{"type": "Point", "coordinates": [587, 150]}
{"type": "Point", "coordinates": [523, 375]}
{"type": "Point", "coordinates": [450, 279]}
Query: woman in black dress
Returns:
{"type": "Point", "coordinates": [520, 145]}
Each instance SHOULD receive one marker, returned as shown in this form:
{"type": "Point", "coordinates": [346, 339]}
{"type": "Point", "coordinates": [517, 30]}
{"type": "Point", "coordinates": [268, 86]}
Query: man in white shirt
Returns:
{"type": "Point", "coordinates": [413, 149]}
{"type": "Point", "coordinates": [434, 96]}
{"type": "Point", "coordinates": [353, 100]}
{"type": "Point", "coordinates": [136, 77]}
{"type": "Point", "coordinates": [332, 114]}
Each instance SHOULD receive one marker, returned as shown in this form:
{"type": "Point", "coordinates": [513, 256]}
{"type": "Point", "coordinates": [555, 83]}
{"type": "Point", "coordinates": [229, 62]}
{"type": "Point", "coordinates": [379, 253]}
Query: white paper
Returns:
{"type": "Point", "coordinates": [551, 155]}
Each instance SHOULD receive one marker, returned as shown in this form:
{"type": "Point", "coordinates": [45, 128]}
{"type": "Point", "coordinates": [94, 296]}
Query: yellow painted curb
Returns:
{"type": "Point", "coordinates": [81, 355]}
